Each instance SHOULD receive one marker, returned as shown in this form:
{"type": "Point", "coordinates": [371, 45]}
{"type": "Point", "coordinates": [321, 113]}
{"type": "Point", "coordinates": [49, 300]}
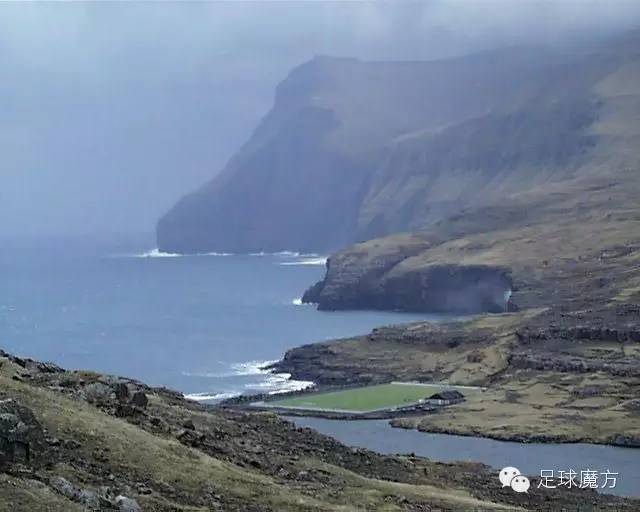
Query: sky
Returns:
{"type": "Point", "coordinates": [110, 112]}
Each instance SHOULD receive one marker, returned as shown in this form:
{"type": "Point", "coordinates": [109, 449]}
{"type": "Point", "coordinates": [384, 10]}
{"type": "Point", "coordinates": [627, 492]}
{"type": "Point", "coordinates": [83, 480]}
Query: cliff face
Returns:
{"type": "Point", "coordinates": [352, 149]}
{"type": "Point", "coordinates": [573, 253]}
{"type": "Point", "coordinates": [379, 275]}
{"type": "Point", "coordinates": [573, 241]}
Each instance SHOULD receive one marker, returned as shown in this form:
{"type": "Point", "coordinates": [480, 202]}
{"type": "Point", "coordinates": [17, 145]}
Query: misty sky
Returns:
{"type": "Point", "coordinates": [111, 111]}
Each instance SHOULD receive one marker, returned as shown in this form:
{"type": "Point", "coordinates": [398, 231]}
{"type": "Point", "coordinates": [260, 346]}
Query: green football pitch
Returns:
{"type": "Point", "coordinates": [364, 399]}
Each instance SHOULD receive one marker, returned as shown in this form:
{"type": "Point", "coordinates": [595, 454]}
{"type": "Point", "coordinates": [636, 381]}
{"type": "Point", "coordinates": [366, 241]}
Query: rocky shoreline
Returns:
{"type": "Point", "coordinates": [563, 365]}
{"type": "Point", "coordinates": [495, 352]}
{"type": "Point", "coordinates": [82, 441]}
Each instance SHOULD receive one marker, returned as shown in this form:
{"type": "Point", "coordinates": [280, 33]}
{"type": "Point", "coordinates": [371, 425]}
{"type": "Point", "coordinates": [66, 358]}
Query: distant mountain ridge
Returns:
{"type": "Point", "coordinates": [353, 150]}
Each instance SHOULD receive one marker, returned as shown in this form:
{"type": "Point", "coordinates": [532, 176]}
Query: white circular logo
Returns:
{"type": "Point", "coordinates": [520, 483]}
{"type": "Point", "coordinates": [507, 474]}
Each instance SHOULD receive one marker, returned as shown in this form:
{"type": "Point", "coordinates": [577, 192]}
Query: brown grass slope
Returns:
{"type": "Point", "coordinates": [174, 455]}
{"type": "Point", "coordinates": [572, 250]}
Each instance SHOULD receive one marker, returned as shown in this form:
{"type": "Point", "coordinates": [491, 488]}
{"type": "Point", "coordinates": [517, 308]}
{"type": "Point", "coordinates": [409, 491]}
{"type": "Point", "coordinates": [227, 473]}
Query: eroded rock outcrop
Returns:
{"type": "Point", "coordinates": [22, 439]}
{"type": "Point", "coordinates": [388, 274]}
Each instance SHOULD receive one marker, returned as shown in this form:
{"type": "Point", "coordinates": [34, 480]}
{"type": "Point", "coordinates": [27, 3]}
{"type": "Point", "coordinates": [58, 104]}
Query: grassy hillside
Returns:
{"type": "Point", "coordinates": [572, 252]}
{"type": "Point", "coordinates": [172, 455]}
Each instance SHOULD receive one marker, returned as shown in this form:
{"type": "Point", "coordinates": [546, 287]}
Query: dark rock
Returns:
{"type": "Point", "coordinates": [313, 293]}
{"type": "Point", "coordinates": [22, 438]}
{"type": "Point", "coordinates": [127, 410]}
{"type": "Point", "coordinates": [366, 276]}
{"type": "Point", "coordinates": [139, 399]}
{"type": "Point", "coordinates": [122, 391]}
{"type": "Point", "coordinates": [191, 437]}
{"type": "Point", "coordinates": [71, 444]}
{"type": "Point", "coordinates": [626, 440]}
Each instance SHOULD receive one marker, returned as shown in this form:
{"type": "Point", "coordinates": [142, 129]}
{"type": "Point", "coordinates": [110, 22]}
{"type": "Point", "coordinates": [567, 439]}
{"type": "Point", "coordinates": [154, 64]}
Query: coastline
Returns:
{"type": "Point", "coordinates": [98, 440]}
{"type": "Point", "coordinates": [522, 403]}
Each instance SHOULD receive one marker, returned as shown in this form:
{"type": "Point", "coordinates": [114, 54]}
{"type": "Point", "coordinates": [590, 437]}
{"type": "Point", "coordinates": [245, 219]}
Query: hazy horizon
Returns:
{"type": "Point", "coordinates": [114, 111]}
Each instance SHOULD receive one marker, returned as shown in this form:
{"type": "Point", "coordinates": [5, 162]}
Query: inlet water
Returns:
{"type": "Point", "coordinates": [529, 458]}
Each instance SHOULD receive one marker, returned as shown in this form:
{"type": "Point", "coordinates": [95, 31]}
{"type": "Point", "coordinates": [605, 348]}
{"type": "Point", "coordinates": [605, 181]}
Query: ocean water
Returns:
{"type": "Point", "coordinates": [203, 325]}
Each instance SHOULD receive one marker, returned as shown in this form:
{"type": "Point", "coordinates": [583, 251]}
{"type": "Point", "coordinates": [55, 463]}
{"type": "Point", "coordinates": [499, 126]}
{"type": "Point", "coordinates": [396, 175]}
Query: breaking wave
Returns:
{"type": "Point", "coordinates": [286, 254]}
{"type": "Point", "coordinates": [307, 258]}
{"type": "Point", "coordinates": [306, 261]}
{"type": "Point", "coordinates": [237, 370]}
{"type": "Point", "coordinates": [268, 382]}
{"type": "Point", "coordinates": [252, 367]}
{"type": "Point", "coordinates": [157, 253]}
{"type": "Point", "coordinates": [279, 383]}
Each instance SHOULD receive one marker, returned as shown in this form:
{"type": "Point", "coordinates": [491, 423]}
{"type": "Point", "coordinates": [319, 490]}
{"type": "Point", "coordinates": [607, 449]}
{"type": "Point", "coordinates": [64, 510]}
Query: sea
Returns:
{"type": "Point", "coordinates": [205, 325]}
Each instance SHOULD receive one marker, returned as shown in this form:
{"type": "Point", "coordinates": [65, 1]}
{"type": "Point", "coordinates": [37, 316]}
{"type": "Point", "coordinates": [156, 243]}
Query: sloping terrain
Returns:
{"type": "Point", "coordinates": [571, 253]}
{"type": "Point", "coordinates": [96, 442]}
{"type": "Point", "coordinates": [547, 245]}
{"type": "Point", "coordinates": [354, 150]}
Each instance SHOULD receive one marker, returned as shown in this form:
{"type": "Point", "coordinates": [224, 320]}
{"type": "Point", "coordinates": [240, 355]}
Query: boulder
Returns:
{"type": "Point", "coordinates": [22, 439]}
{"type": "Point", "coordinates": [139, 399]}
{"type": "Point", "coordinates": [91, 499]}
{"type": "Point", "coordinates": [122, 391]}
{"type": "Point", "coordinates": [97, 392]}
{"type": "Point", "coordinates": [63, 486]}
{"type": "Point", "coordinates": [125, 504]}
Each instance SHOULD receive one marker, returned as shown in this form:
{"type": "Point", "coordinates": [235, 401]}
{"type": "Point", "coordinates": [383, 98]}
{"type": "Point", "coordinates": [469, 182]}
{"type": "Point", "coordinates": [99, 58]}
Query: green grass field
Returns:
{"type": "Point", "coordinates": [364, 399]}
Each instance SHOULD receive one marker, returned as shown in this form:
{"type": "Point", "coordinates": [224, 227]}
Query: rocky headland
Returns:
{"type": "Point", "coordinates": [564, 365]}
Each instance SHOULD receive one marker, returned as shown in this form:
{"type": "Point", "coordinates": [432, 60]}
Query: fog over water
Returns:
{"type": "Point", "coordinates": [112, 111]}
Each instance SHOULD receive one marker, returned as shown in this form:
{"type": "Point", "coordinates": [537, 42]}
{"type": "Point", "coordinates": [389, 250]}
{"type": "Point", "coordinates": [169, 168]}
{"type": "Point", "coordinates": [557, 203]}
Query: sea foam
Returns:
{"type": "Point", "coordinates": [252, 367]}
{"type": "Point", "coordinates": [279, 383]}
{"type": "Point", "coordinates": [157, 253]}
{"type": "Point", "coordinates": [271, 383]}
{"type": "Point", "coordinates": [306, 261]}
{"type": "Point", "coordinates": [307, 258]}
{"type": "Point", "coordinates": [237, 370]}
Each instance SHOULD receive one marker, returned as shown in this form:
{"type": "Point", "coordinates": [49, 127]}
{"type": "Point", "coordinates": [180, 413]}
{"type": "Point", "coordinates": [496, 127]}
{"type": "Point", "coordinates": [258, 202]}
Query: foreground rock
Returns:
{"type": "Point", "coordinates": [21, 436]}
{"type": "Point", "coordinates": [172, 454]}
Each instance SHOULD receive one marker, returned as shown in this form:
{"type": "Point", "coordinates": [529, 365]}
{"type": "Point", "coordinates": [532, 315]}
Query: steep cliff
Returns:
{"type": "Point", "coordinates": [353, 149]}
